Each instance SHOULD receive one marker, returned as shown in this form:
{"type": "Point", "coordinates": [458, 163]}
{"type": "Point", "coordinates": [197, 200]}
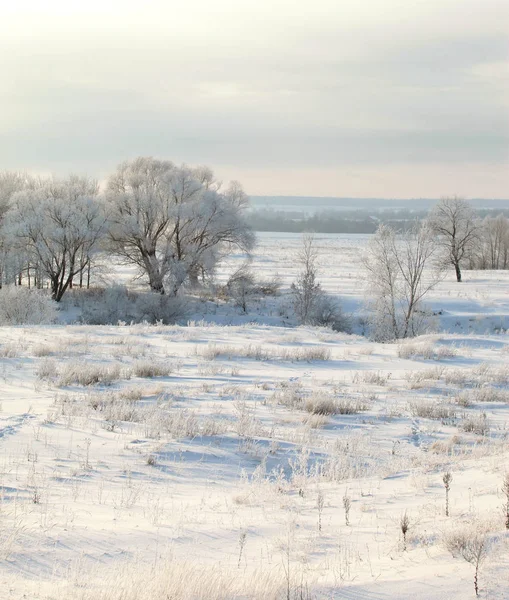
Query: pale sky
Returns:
{"type": "Point", "coordinates": [378, 98]}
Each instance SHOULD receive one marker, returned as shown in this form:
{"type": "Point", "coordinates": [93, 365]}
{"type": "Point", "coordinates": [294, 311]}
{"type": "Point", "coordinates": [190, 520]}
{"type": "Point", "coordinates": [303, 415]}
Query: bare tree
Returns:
{"type": "Point", "coordinates": [396, 266]}
{"type": "Point", "coordinates": [306, 291]}
{"type": "Point", "coordinates": [312, 305]}
{"type": "Point", "coordinates": [457, 227]}
{"type": "Point", "coordinates": [173, 222]}
{"type": "Point", "coordinates": [491, 249]}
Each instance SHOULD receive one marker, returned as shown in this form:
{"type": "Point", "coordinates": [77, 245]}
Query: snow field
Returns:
{"type": "Point", "coordinates": [216, 461]}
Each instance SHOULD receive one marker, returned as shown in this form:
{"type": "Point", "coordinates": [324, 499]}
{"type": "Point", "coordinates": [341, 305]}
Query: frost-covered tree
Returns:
{"type": "Point", "coordinates": [397, 285]}
{"type": "Point", "coordinates": [12, 182]}
{"type": "Point", "coordinates": [311, 304]}
{"type": "Point", "coordinates": [491, 250]}
{"type": "Point", "coordinates": [55, 225]}
{"type": "Point", "coordinates": [306, 290]}
{"type": "Point", "coordinates": [174, 223]}
{"type": "Point", "coordinates": [11, 264]}
{"type": "Point", "coordinates": [457, 228]}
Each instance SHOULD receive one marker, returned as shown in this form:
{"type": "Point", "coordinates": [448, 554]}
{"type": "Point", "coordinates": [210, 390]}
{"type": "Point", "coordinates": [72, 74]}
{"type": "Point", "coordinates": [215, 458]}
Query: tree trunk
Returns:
{"type": "Point", "coordinates": [154, 273]}
{"type": "Point", "coordinates": [193, 277]}
{"type": "Point", "coordinates": [458, 271]}
{"type": "Point", "coordinates": [54, 287]}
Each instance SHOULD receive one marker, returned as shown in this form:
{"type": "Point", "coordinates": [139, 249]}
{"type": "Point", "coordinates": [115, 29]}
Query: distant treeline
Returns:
{"type": "Point", "coordinates": [342, 221]}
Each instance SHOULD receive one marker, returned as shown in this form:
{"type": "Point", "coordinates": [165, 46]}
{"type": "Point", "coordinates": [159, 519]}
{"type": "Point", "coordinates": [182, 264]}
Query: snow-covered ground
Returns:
{"type": "Point", "coordinates": [218, 458]}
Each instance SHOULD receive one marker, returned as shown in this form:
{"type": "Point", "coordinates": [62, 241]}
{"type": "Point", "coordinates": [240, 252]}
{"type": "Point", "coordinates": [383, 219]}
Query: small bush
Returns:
{"type": "Point", "coordinates": [307, 353]}
{"type": "Point", "coordinates": [11, 350]}
{"type": "Point", "coordinates": [484, 394]}
{"type": "Point", "coordinates": [258, 352]}
{"type": "Point", "coordinates": [291, 396]}
{"type": "Point", "coordinates": [144, 368]}
{"type": "Point", "coordinates": [114, 408]}
{"type": "Point", "coordinates": [372, 377]}
{"type": "Point", "coordinates": [315, 421]}
{"type": "Point", "coordinates": [88, 374]}
{"type": "Point", "coordinates": [324, 404]}
{"type": "Point", "coordinates": [327, 312]}
{"type": "Point", "coordinates": [23, 306]}
{"type": "Point", "coordinates": [114, 304]}
{"type": "Point", "coordinates": [457, 376]}
{"type": "Point", "coordinates": [472, 544]}
{"type": "Point", "coordinates": [47, 369]}
{"type": "Point", "coordinates": [184, 581]}
{"type": "Point", "coordinates": [270, 287]}
{"type": "Point", "coordinates": [425, 351]}
{"type": "Point", "coordinates": [477, 424]}
{"type": "Point", "coordinates": [41, 350]}
{"type": "Point", "coordinates": [241, 286]}
{"type": "Point", "coordinates": [431, 410]}
{"type": "Point", "coordinates": [181, 423]}
{"type": "Point", "coordinates": [321, 405]}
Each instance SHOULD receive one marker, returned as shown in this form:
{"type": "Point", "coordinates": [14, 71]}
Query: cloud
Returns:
{"type": "Point", "coordinates": [306, 86]}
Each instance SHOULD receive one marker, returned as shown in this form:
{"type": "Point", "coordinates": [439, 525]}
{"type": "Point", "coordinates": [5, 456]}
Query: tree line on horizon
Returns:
{"type": "Point", "coordinates": [357, 221]}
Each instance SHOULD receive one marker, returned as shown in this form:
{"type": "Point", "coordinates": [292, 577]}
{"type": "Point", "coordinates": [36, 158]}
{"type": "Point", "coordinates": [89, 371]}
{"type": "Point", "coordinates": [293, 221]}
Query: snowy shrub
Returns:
{"type": "Point", "coordinates": [41, 350]}
{"type": "Point", "coordinates": [477, 424]}
{"type": "Point", "coordinates": [325, 404]}
{"type": "Point", "coordinates": [22, 306]}
{"type": "Point", "coordinates": [185, 581]}
{"type": "Point", "coordinates": [212, 426]}
{"type": "Point", "coordinates": [108, 306]}
{"type": "Point", "coordinates": [258, 352]}
{"type": "Point", "coordinates": [270, 287]}
{"type": "Point", "coordinates": [371, 377]}
{"type": "Point", "coordinates": [47, 369]}
{"type": "Point", "coordinates": [457, 376]}
{"type": "Point", "coordinates": [472, 544]}
{"type": "Point", "coordinates": [11, 350]}
{"type": "Point", "coordinates": [307, 353]}
{"type": "Point", "coordinates": [290, 396]}
{"type": "Point", "coordinates": [115, 408]}
{"type": "Point", "coordinates": [412, 350]}
{"type": "Point", "coordinates": [156, 308]}
{"type": "Point", "coordinates": [88, 374]}
{"type": "Point", "coordinates": [484, 394]}
{"type": "Point", "coordinates": [321, 404]}
{"type": "Point", "coordinates": [315, 421]}
{"type": "Point", "coordinates": [314, 307]}
{"type": "Point", "coordinates": [327, 312]}
{"type": "Point", "coordinates": [117, 303]}
{"type": "Point", "coordinates": [145, 368]}
{"type": "Point", "coordinates": [431, 410]}
{"type": "Point", "coordinates": [425, 351]}
{"type": "Point", "coordinates": [181, 423]}
{"type": "Point", "coordinates": [240, 286]}
{"type": "Point", "coordinates": [418, 379]}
